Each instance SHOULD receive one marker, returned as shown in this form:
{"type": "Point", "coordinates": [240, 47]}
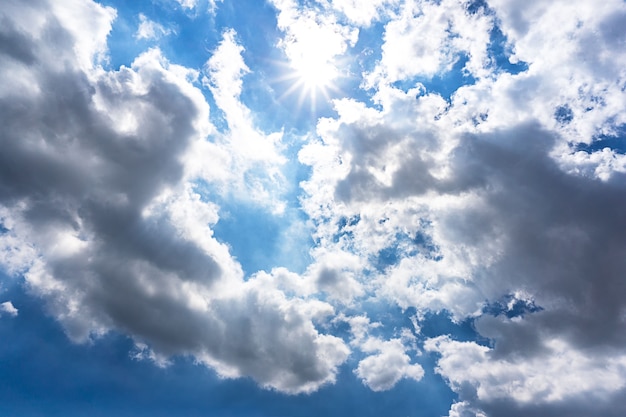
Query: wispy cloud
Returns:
{"type": "Point", "coordinates": [149, 29]}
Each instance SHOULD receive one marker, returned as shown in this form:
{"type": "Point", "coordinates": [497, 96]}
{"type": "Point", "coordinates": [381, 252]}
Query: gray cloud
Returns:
{"type": "Point", "coordinates": [560, 234]}
{"type": "Point", "coordinates": [93, 185]}
{"type": "Point", "coordinates": [508, 220]}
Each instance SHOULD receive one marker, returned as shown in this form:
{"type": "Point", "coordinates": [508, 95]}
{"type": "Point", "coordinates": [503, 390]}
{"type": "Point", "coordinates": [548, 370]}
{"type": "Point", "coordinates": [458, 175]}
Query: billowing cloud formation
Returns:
{"type": "Point", "coordinates": [99, 209]}
{"type": "Point", "coordinates": [382, 370]}
{"type": "Point", "coordinates": [482, 198]}
{"type": "Point", "coordinates": [491, 203]}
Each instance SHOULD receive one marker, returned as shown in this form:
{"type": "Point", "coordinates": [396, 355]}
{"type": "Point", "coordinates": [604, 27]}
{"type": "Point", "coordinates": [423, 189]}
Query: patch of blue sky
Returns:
{"type": "Point", "coordinates": [406, 246]}
{"type": "Point", "coordinates": [344, 225]}
{"type": "Point", "coordinates": [44, 374]}
{"type": "Point", "coordinates": [563, 114]}
{"type": "Point", "coordinates": [192, 37]}
{"type": "Point", "coordinates": [438, 323]}
{"type": "Point", "coordinates": [511, 307]}
{"type": "Point", "coordinates": [616, 141]}
{"type": "Point", "coordinates": [500, 53]}
{"type": "Point", "coordinates": [475, 6]}
{"type": "Point", "coordinates": [447, 83]}
{"type": "Point", "coordinates": [444, 83]}
{"type": "Point", "coordinates": [367, 52]}
{"type": "Point", "coordinates": [431, 323]}
{"type": "Point", "coordinates": [261, 240]}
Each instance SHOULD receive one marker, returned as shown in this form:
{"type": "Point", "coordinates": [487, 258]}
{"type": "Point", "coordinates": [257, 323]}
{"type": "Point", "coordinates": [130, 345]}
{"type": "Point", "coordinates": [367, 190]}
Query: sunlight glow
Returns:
{"type": "Point", "coordinates": [311, 75]}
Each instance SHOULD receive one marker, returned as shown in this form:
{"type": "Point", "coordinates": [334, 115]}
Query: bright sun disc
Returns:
{"type": "Point", "coordinates": [312, 76]}
{"type": "Point", "coordinates": [315, 74]}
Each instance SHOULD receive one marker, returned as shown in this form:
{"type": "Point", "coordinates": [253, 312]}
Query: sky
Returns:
{"type": "Point", "coordinates": [313, 207]}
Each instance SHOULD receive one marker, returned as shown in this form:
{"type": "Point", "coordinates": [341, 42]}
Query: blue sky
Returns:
{"type": "Point", "coordinates": [295, 208]}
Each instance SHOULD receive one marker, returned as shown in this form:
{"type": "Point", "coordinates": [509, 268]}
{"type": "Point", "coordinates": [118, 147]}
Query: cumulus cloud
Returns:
{"type": "Point", "coordinates": [8, 308]}
{"type": "Point", "coordinates": [474, 217]}
{"type": "Point", "coordinates": [564, 377]}
{"type": "Point", "coordinates": [98, 203]}
{"type": "Point", "coordinates": [389, 364]}
{"type": "Point", "coordinates": [427, 38]}
{"type": "Point", "coordinates": [441, 204]}
{"type": "Point", "coordinates": [456, 204]}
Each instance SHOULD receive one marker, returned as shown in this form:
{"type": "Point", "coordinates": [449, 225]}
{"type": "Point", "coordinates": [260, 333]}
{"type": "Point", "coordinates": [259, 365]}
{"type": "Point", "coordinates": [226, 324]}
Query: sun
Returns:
{"type": "Point", "coordinates": [312, 77]}
{"type": "Point", "coordinates": [315, 75]}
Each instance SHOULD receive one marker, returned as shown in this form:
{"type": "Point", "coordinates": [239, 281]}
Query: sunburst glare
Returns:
{"type": "Point", "coordinates": [312, 78]}
{"type": "Point", "coordinates": [314, 64]}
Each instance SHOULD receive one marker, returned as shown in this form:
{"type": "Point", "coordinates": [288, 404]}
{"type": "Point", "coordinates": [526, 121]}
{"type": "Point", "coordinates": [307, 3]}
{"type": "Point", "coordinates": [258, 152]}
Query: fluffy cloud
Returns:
{"type": "Point", "coordinates": [362, 13]}
{"type": "Point", "coordinates": [563, 377]}
{"type": "Point", "coordinates": [313, 39]}
{"type": "Point", "coordinates": [428, 202]}
{"type": "Point", "coordinates": [389, 364]}
{"type": "Point", "coordinates": [8, 308]}
{"type": "Point", "coordinates": [474, 217]}
{"type": "Point", "coordinates": [427, 38]}
{"type": "Point", "coordinates": [456, 204]}
{"type": "Point", "coordinates": [98, 204]}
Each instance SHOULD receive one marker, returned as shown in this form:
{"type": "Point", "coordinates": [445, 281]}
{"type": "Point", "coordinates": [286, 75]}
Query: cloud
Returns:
{"type": "Point", "coordinates": [247, 162]}
{"type": "Point", "coordinates": [188, 4]}
{"type": "Point", "coordinates": [456, 204]}
{"type": "Point", "coordinates": [441, 204]}
{"type": "Point", "coordinates": [98, 203]}
{"type": "Point", "coordinates": [313, 38]}
{"type": "Point", "coordinates": [362, 13]}
{"type": "Point", "coordinates": [464, 409]}
{"type": "Point", "coordinates": [427, 38]}
{"type": "Point", "coordinates": [8, 308]}
{"type": "Point", "coordinates": [382, 370]}
{"type": "Point", "coordinates": [150, 30]}
{"type": "Point", "coordinates": [483, 215]}
{"type": "Point", "coordinates": [563, 376]}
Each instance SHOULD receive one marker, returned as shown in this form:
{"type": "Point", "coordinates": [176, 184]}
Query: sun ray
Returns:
{"type": "Point", "coordinates": [311, 80]}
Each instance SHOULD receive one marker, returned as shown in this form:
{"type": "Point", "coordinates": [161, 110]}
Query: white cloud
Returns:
{"type": "Point", "coordinates": [386, 362]}
{"type": "Point", "coordinates": [149, 29]}
{"type": "Point", "coordinates": [435, 204]}
{"type": "Point", "coordinates": [8, 308]}
{"type": "Point", "coordinates": [464, 409]}
{"type": "Point", "coordinates": [562, 374]}
{"type": "Point", "coordinates": [102, 220]}
{"type": "Point", "coordinates": [313, 39]}
{"type": "Point", "coordinates": [188, 4]}
{"type": "Point", "coordinates": [426, 38]}
{"type": "Point", "coordinates": [247, 161]}
{"type": "Point", "coordinates": [362, 13]}
{"type": "Point", "coordinates": [482, 197]}
{"type": "Point", "coordinates": [389, 364]}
